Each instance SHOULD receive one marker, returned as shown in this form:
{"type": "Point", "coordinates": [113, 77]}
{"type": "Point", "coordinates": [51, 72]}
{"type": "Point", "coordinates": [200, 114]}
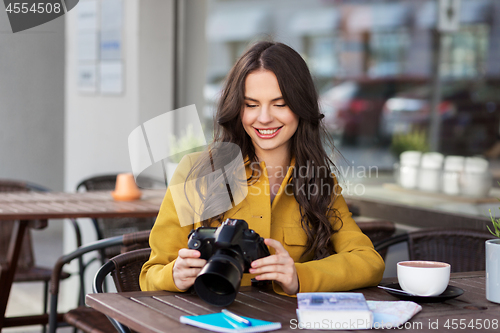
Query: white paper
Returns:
{"type": "Point", "coordinates": [87, 45]}
{"type": "Point", "coordinates": [111, 15]}
{"type": "Point", "coordinates": [111, 78]}
{"type": "Point", "coordinates": [87, 15]}
{"type": "Point", "coordinates": [111, 45]}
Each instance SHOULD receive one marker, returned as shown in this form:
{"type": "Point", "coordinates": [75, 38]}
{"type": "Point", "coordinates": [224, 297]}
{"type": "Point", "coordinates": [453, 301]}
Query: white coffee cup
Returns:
{"type": "Point", "coordinates": [423, 278]}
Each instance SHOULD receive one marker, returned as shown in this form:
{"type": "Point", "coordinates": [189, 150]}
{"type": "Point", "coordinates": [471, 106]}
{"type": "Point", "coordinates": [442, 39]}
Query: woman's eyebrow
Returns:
{"type": "Point", "coordinates": [255, 100]}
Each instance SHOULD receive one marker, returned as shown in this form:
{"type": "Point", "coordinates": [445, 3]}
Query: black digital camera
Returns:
{"type": "Point", "coordinates": [229, 249]}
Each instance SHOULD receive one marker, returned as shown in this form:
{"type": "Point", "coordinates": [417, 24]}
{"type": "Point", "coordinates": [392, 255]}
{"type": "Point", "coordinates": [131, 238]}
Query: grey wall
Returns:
{"type": "Point", "coordinates": [32, 103]}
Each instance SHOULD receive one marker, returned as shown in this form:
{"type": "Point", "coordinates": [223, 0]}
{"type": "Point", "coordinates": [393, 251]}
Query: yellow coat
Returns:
{"type": "Point", "coordinates": [355, 265]}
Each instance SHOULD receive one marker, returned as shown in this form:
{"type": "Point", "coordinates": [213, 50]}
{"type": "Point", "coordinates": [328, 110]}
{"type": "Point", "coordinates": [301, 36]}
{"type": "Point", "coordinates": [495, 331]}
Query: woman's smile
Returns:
{"type": "Point", "coordinates": [267, 133]}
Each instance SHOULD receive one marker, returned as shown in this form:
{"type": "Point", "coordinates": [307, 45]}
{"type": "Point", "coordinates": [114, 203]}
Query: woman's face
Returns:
{"type": "Point", "coordinates": [266, 118]}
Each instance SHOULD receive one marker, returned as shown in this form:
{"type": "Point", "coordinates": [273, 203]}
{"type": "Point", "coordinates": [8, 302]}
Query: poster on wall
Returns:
{"type": "Point", "coordinates": [99, 47]}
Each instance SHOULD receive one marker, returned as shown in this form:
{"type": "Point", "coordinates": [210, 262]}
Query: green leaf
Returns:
{"type": "Point", "coordinates": [496, 225]}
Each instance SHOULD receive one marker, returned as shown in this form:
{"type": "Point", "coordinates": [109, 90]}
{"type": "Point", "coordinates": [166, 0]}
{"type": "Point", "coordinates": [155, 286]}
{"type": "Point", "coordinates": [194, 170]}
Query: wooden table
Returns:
{"type": "Point", "coordinates": [27, 207]}
{"type": "Point", "coordinates": [160, 311]}
{"type": "Point", "coordinates": [423, 209]}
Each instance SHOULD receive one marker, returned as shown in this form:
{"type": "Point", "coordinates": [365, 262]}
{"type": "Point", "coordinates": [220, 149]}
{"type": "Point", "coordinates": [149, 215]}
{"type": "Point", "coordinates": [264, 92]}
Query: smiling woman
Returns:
{"type": "Point", "coordinates": [269, 109]}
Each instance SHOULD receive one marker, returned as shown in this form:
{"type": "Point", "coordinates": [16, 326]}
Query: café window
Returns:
{"type": "Point", "coordinates": [388, 50]}
{"type": "Point", "coordinates": [465, 52]}
{"type": "Point", "coordinates": [322, 55]}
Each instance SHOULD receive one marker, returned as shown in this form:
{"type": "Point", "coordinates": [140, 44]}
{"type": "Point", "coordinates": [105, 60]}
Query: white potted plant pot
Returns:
{"type": "Point", "coordinates": [493, 270]}
{"type": "Point", "coordinates": [493, 263]}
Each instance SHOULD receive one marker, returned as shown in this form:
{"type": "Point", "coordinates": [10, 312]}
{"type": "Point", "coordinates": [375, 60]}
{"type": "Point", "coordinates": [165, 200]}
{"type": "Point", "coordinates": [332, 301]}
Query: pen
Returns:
{"type": "Point", "coordinates": [237, 318]}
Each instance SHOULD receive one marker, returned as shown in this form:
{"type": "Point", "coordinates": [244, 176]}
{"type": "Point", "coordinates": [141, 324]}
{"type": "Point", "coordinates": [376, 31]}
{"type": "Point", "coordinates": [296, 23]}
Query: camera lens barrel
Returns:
{"type": "Point", "coordinates": [219, 280]}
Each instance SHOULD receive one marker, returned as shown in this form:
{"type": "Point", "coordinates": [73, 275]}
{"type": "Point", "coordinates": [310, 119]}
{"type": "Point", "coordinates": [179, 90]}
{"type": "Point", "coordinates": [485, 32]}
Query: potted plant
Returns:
{"type": "Point", "coordinates": [413, 140]}
{"type": "Point", "coordinates": [187, 142]}
{"type": "Point", "coordinates": [406, 170]}
{"type": "Point", "coordinates": [493, 262]}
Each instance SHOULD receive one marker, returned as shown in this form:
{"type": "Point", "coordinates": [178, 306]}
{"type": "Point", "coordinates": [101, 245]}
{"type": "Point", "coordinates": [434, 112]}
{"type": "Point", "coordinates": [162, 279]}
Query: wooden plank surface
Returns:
{"type": "Point", "coordinates": [56, 205]}
{"type": "Point", "coordinates": [160, 311]}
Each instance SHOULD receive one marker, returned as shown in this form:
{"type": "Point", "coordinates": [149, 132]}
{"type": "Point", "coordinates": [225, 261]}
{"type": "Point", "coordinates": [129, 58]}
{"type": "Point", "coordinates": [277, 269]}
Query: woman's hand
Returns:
{"type": "Point", "coordinates": [187, 266]}
{"type": "Point", "coordinates": [279, 267]}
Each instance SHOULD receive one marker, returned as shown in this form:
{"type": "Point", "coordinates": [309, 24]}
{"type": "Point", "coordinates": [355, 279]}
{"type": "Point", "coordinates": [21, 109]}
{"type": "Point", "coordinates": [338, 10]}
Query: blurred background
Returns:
{"type": "Point", "coordinates": [392, 75]}
{"type": "Point", "coordinates": [73, 89]}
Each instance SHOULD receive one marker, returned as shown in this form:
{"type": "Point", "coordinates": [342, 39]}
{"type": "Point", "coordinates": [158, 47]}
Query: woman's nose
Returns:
{"type": "Point", "coordinates": [265, 115]}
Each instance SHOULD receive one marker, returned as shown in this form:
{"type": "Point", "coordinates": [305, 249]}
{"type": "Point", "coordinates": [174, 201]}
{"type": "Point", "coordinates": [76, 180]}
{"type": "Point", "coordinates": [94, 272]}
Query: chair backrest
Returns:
{"type": "Point", "coordinates": [464, 249]}
{"type": "Point", "coordinates": [127, 268]}
{"type": "Point", "coordinates": [26, 257]}
{"type": "Point", "coordinates": [108, 182]}
{"type": "Point", "coordinates": [136, 240]}
{"type": "Point", "coordinates": [378, 231]}
{"type": "Point", "coordinates": [8, 185]}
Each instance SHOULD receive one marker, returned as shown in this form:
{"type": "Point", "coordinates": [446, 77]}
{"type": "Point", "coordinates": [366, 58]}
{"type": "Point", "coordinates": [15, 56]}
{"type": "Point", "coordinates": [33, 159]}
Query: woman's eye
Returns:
{"type": "Point", "coordinates": [280, 105]}
{"type": "Point", "coordinates": [251, 105]}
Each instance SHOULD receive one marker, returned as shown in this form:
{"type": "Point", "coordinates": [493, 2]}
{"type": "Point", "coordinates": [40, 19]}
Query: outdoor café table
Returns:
{"type": "Point", "coordinates": [32, 209]}
{"type": "Point", "coordinates": [422, 209]}
{"type": "Point", "coordinates": [160, 311]}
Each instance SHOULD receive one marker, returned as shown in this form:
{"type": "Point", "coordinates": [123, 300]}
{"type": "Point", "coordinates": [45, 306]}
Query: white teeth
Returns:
{"type": "Point", "coordinates": [267, 132]}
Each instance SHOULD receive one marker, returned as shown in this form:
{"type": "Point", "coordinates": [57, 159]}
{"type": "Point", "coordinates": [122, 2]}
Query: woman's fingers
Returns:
{"type": "Point", "coordinates": [189, 273]}
{"type": "Point", "coordinates": [187, 253]}
{"type": "Point", "coordinates": [277, 246]}
{"type": "Point", "coordinates": [282, 263]}
{"type": "Point", "coordinates": [281, 255]}
{"type": "Point", "coordinates": [279, 267]}
{"type": "Point", "coordinates": [283, 279]}
{"type": "Point", "coordinates": [194, 262]}
{"type": "Point", "coordinates": [187, 266]}
{"type": "Point", "coordinates": [273, 260]}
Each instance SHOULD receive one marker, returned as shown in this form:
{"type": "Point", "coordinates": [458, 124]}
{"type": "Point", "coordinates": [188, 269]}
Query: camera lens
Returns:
{"type": "Point", "coordinates": [219, 281]}
{"type": "Point", "coordinates": [216, 286]}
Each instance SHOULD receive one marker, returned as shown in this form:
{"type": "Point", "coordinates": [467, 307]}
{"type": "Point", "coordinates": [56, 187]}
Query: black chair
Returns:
{"type": "Point", "coordinates": [82, 317]}
{"type": "Point", "coordinates": [377, 231]}
{"type": "Point", "coordinates": [110, 227]}
{"type": "Point", "coordinates": [462, 248]}
{"type": "Point", "coordinates": [26, 270]}
{"type": "Point", "coordinates": [125, 270]}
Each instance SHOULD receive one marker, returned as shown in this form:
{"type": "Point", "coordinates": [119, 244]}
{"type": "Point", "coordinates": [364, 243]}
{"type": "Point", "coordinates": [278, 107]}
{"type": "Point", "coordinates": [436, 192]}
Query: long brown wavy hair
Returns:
{"type": "Point", "coordinates": [312, 181]}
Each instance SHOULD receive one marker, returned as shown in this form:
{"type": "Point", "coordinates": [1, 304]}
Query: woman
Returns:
{"type": "Point", "coordinates": [269, 108]}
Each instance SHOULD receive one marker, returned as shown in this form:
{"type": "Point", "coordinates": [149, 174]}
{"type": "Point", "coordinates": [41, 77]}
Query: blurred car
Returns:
{"type": "Point", "coordinates": [468, 111]}
{"type": "Point", "coordinates": [352, 108]}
